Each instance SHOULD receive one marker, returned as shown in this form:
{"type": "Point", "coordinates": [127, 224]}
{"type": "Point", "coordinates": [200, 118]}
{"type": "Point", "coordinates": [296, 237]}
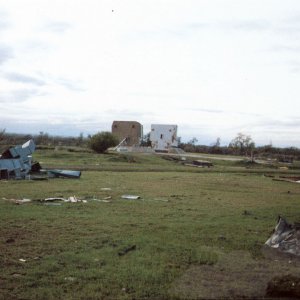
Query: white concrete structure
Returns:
{"type": "Point", "coordinates": [163, 137]}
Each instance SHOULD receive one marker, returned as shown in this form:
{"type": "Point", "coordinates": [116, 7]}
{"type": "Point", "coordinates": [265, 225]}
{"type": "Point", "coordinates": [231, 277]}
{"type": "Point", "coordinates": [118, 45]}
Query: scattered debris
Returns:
{"type": "Point", "coordinates": [283, 168]}
{"type": "Point", "coordinates": [71, 199]}
{"type": "Point", "coordinates": [130, 197]}
{"type": "Point", "coordinates": [291, 178]}
{"type": "Point", "coordinates": [70, 278]}
{"type": "Point", "coordinates": [286, 237]}
{"type": "Point", "coordinates": [22, 260]}
{"type": "Point", "coordinates": [18, 201]}
{"type": "Point", "coordinates": [55, 199]}
{"type": "Point", "coordinates": [23, 201]}
{"type": "Point", "coordinates": [286, 159]}
{"type": "Point", "coordinates": [105, 189]}
{"type": "Point", "coordinates": [200, 164]}
{"type": "Point", "coordinates": [126, 250]}
{"type": "Point", "coordinates": [286, 179]}
{"type": "Point", "coordinates": [105, 199]}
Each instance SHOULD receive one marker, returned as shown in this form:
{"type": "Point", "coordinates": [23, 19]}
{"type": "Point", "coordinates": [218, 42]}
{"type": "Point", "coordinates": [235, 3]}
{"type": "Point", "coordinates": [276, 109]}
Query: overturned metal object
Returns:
{"type": "Point", "coordinates": [64, 173]}
{"type": "Point", "coordinates": [16, 161]}
{"type": "Point", "coordinates": [286, 237]}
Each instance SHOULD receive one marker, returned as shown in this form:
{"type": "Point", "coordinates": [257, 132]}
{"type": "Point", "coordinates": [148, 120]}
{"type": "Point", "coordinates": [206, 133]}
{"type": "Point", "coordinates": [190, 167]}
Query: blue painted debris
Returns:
{"type": "Point", "coordinates": [16, 163]}
{"type": "Point", "coordinates": [64, 173]}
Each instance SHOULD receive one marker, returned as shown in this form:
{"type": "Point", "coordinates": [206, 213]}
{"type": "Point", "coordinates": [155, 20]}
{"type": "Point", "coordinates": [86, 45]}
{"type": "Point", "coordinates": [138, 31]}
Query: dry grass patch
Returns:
{"type": "Point", "coordinates": [235, 276]}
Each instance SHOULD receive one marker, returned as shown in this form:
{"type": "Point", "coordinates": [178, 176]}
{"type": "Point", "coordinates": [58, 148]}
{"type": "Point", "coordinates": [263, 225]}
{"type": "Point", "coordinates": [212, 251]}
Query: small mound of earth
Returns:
{"type": "Point", "coordinates": [236, 275]}
{"type": "Point", "coordinates": [284, 286]}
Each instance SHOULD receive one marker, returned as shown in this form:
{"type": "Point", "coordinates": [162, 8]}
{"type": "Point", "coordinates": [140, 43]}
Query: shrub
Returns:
{"type": "Point", "coordinates": [101, 141]}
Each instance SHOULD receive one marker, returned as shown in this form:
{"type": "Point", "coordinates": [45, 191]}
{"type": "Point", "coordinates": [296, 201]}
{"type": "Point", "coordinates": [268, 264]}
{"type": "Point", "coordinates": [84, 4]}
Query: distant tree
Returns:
{"type": "Point", "coordinates": [218, 142]}
{"type": "Point", "coordinates": [242, 144]}
{"type": "Point", "coordinates": [216, 146]}
{"type": "Point", "coordinates": [266, 150]}
{"type": "Point", "coordinates": [193, 141]}
{"type": "Point", "coordinates": [190, 146]}
{"type": "Point", "coordinates": [2, 134]}
{"type": "Point", "coordinates": [80, 139]}
{"type": "Point", "coordinates": [146, 140]}
{"type": "Point", "coordinates": [179, 143]}
{"type": "Point", "coordinates": [101, 141]}
{"type": "Point", "coordinates": [42, 138]}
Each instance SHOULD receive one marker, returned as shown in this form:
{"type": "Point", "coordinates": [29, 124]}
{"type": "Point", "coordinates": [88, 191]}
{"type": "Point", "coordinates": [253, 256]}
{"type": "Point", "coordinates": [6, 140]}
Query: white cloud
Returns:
{"type": "Point", "coordinates": [16, 77]}
{"type": "Point", "coordinates": [6, 53]}
{"type": "Point", "coordinates": [57, 27]}
{"type": "Point", "coordinates": [213, 67]}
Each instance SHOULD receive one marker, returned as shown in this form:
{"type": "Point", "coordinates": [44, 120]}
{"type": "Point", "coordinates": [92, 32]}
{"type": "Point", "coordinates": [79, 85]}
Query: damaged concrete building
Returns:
{"type": "Point", "coordinates": [163, 137]}
{"type": "Point", "coordinates": [130, 133]}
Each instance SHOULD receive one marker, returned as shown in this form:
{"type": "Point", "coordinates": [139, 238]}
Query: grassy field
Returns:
{"type": "Point", "coordinates": [186, 218]}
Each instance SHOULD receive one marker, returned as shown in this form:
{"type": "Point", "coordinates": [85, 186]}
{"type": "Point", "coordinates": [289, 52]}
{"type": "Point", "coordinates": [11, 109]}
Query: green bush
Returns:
{"type": "Point", "coordinates": [101, 141]}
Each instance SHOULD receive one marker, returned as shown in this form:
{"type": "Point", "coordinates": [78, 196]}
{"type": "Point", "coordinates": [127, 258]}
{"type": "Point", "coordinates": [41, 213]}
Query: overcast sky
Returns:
{"type": "Point", "coordinates": [213, 67]}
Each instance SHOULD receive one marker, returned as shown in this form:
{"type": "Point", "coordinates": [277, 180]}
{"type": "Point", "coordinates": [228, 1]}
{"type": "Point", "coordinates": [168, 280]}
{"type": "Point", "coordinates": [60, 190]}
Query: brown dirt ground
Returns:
{"type": "Point", "coordinates": [235, 276]}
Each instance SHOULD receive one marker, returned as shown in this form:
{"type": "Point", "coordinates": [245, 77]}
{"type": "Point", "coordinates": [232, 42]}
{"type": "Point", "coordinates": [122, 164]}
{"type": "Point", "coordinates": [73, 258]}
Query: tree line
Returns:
{"type": "Point", "coordinates": [242, 144]}
{"type": "Point", "coordinates": [98, 142]}
{"type": "Point", "coordinates": [42, 139]}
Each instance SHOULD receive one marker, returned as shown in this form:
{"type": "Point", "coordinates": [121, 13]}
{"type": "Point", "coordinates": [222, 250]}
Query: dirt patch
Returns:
{"type": "Point", "coordinates": [284, 286]}
{"type": "Point", "coordinates": [236, 275]}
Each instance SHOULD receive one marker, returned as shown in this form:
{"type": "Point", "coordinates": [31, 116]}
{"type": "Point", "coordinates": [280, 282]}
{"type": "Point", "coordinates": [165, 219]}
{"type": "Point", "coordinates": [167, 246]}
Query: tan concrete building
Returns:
{"type": "Point", "coordinates": [131, 131]}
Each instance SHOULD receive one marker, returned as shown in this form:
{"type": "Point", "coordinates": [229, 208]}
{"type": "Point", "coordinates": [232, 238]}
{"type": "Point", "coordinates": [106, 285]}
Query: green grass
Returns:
{"type": "Point", "coordinates": [187, 216]}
